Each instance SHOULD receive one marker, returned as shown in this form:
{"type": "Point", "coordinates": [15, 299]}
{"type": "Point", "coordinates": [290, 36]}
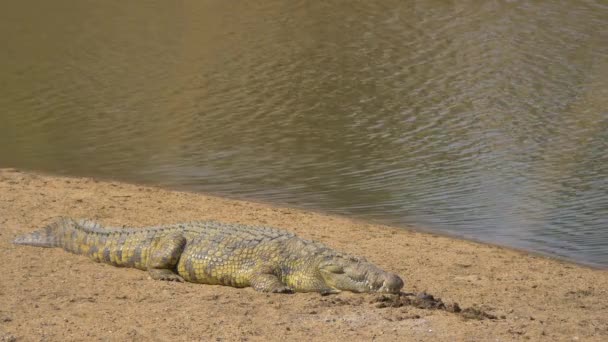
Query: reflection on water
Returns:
{"type": "Point", "coordinates": [484, 119]}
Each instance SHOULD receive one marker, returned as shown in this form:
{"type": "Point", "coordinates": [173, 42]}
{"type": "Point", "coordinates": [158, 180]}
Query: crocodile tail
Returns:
{"type": "Point", "coordinates": [48, 236]}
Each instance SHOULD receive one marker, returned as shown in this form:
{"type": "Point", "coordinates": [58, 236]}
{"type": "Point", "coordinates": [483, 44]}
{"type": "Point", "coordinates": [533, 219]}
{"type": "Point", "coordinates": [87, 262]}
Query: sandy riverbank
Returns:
{"type": "Point", "coordinates": [48, 294]}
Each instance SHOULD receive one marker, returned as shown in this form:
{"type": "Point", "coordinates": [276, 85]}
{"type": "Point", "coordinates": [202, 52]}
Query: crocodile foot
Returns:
{"type": "Point", "coordinates": [283, 289]}
{"type": "Point", "coordinates": [164, 274]}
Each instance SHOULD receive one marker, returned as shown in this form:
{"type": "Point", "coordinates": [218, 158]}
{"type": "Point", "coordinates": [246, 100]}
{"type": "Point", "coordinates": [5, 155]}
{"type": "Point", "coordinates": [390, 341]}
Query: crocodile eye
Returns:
{"type": "Point", "coordinates": [357, 259]}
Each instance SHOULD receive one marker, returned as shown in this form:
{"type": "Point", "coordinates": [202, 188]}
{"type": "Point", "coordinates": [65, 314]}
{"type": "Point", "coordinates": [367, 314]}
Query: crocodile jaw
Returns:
{"type": "Point", "coordinates": [356, 275]}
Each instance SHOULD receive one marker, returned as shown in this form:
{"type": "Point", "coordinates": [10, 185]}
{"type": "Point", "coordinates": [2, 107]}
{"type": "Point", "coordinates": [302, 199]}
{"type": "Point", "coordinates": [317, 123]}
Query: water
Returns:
{"type": "Point", "coordinates": [483, 119]}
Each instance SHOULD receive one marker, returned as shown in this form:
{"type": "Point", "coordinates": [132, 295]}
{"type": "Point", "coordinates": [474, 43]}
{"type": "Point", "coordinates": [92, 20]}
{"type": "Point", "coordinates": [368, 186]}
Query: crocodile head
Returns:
{"type": "Point", "coordinates": [354, 274]}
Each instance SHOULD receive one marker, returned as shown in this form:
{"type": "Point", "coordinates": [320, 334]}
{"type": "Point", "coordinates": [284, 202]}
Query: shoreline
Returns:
{"type": "Point", "coordinates": [48, 293]}
{"type": "Point", "coordinates": [320, 212]}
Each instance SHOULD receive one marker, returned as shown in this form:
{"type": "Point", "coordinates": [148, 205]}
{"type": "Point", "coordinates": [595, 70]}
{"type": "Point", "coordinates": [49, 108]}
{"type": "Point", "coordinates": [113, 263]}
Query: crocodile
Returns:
{"type": "Point", "coordinates": [210, 252]}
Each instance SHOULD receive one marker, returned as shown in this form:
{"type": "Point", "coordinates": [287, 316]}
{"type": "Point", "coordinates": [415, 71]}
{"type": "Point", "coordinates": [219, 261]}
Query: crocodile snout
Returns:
{"type": "Point", "coordinates": [392, 284]}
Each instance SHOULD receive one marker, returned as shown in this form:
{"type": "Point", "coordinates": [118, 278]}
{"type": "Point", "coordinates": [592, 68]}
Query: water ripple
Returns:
{"type": "Point", "coordinates": [485, 120]}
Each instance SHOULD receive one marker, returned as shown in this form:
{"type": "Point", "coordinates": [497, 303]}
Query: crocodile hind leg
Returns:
{"type": "Point", "coordinates": [266, 282]}
{"type": "Point", "coordinates": [164, 255]}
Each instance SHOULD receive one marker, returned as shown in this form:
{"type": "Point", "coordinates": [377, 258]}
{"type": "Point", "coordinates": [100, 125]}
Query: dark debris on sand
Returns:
{"type": "Point", "coordinates": [427, 301]}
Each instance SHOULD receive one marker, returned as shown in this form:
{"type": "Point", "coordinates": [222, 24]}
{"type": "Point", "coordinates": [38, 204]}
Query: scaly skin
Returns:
{"type": "Point", "coordinates": [208, 252]}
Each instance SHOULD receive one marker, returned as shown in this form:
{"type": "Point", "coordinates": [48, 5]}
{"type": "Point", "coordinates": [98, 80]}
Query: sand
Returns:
{"type": "Point", "coordinates": [51, 295]}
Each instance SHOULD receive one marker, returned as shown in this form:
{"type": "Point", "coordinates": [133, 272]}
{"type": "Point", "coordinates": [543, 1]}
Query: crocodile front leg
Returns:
{"type": "Point", "coordinates": [266, 282]}
{"type": "Point", "coordinates": [164, 255]}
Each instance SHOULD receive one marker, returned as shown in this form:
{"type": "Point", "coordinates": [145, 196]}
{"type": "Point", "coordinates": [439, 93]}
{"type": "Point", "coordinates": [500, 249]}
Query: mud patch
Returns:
{"type": "Point", "coordinates": [427, 301]}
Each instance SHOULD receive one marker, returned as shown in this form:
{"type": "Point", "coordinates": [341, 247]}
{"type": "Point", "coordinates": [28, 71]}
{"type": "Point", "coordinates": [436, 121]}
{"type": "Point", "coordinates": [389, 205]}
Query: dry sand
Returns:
{"type": "Point", "coordinates": [50, 295]}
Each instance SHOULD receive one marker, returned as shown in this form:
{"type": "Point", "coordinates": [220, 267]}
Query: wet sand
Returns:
{"type": "Point", "coordinates": [50, 295]}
